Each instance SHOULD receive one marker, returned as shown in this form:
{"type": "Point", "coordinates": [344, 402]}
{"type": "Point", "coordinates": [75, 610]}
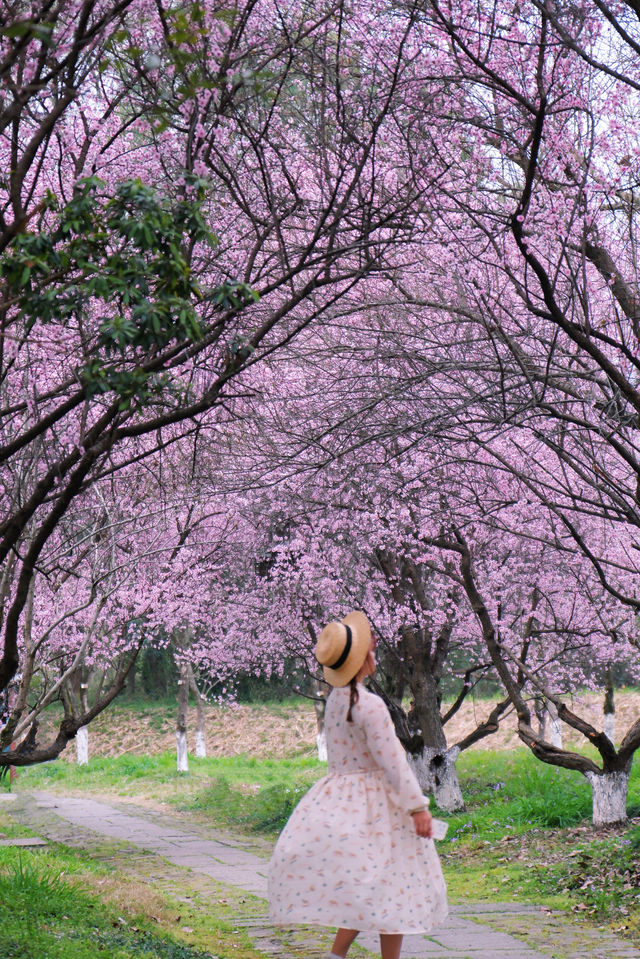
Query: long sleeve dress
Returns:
{"type": "Point", "coordinates": [349, 855]}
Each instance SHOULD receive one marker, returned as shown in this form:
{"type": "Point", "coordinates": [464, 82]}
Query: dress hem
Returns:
{"type": "Point", "coordinates": [423, 931]}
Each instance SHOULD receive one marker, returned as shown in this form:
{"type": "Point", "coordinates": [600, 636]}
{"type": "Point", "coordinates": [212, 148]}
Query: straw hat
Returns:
{"type": "Point", "coordinates": [342, 648]}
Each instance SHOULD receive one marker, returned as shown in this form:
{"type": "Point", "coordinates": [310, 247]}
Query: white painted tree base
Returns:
{"type": "Point", "coordinates": [82, 746]}
{"type": "Point", "coordinates": [609, 726]}
{"type": "Point", "coordinates": [201, 745]}
{"type": "Point", "coordinates": [182, 753]}
{"type": "Point", "coordinates": [554, 728]}
{"type": "Point", "coordinates": [447, 792]}
{"type": "Point", "coordinates": [550, 727]}
{"type": "Point", "coordinates": [442, 780]}
{"type": "Point", "coordinates": [321, 742]}
{"type": "Point", "coordinates": [609, 797]}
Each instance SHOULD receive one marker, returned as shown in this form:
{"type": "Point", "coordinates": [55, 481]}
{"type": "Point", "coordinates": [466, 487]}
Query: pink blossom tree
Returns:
{"type": "Point", "coordinates": [169, 223]}
{"type": "Point", "coordinates": [361, 533]}
{"type": "Point", "coordinates": [119, 571]}
{"type": "Point", "coordinates": [435, 209]}
{"type": "Point", "coordinates": [537, 225]}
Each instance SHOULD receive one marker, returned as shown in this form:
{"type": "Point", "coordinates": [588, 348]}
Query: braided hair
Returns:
{"type": "Point", "coordinates": [353, 697]}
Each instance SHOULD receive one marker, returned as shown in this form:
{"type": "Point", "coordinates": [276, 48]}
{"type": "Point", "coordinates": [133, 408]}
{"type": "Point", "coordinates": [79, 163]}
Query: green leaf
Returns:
{"type": "Point", "coordinates": [114, 263]}
{"type": "Point", "coordinates": [24, 28]}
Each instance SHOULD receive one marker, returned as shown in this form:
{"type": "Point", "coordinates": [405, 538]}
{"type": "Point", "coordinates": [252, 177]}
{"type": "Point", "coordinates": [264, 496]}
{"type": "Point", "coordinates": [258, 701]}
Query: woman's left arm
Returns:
{"type": "Point", "coordinates": [389, 755]}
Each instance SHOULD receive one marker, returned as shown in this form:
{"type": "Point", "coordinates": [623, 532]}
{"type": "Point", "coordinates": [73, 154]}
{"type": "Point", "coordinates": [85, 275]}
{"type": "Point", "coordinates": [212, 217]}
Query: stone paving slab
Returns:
{"type": "Point", "coordinates": [220, 860]}
{"type": "Point", "coordinates": [473, 931]}
{"type": "Point", "coordinates": [29, 841]}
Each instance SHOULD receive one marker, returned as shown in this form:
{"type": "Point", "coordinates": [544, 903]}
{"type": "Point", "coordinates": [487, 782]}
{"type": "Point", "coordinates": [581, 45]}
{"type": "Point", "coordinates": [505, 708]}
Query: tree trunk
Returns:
{"type": "Point", "coordinates": [549, 727]}
{"type": "Point", "coordinates": [82, 736]}
{"type": "Point", "coordinates": [433, 763]}
{"type": "Point", "coordinates": [393, 668]}
{"type": "Point", "coordinates": [609, 796]}
{"type": "Point", "coordinates": [609, 711]}
{"type": "Point", "coordinates": [541, 715]}
{"type": "Point", "coordinates": [609, 784]}
{"type": "Point", "coordinates": [609, 726]}
{"type": "Point", "coordinates": [181, 724]}
{"type": "Point", "coordinates": [319, 704]}
{"type": "Point", "coordinates": [436, 773]}
{"type": "Point", "coordinates": [82, 746]}
{"type": "Point", "coordinates": [554, 726]}
{"type": "Point", "coordinates": [71, 723]}
{"type": "Point", "coordinates": [418, 663]}
{"type": "Point", "coordinates": [201, 742]}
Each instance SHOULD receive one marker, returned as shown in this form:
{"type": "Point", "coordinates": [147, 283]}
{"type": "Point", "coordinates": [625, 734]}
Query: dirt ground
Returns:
{"type": "Point", "coordinates": [265, 732]}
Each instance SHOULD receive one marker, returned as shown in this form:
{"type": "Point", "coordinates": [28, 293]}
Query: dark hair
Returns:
{"type": "Point", "coordinates": [354, 695]}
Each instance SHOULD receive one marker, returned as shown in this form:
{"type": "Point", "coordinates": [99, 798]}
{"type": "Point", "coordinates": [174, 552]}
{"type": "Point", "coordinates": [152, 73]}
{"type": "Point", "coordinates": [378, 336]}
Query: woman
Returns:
{"type": "Point", "coordinates": [356, 852]}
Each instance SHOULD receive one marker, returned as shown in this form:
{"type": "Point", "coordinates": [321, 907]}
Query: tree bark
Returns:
{"type": "Point", "coordinates": [609, 726]}
{"type": "Point", "coordinates": [319, 704]}
{"type": "Point", "coordinates": [549, 728]}
{"type": "Point", "coordinates": [181, 723]}
{"type": "Point", "coordinates": [609, 711]}
{"type": "Point", "coordinates": [82, 746]}
{"type": "Point", "coordinates": [436, 772]}
{"type": "Point", "coordinates": [609, 796]}
{"type": "Point", "coordinates": [201, 740]}
{"type": "Point", "coordinates": [541, 715]}
{"type": "Point", "coordinates": [82, 736]}
{"type": "Point", "coordinates": [433, 762]}
{"type": "Point", "coordinates": [555, 727]}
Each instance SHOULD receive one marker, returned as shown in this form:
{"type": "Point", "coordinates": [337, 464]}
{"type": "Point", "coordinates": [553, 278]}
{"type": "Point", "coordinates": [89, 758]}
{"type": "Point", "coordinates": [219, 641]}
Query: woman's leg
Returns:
{"type": "Point", "coordinates": [344, 938]}
{"type": "Point", "coordinates": [390, 945]}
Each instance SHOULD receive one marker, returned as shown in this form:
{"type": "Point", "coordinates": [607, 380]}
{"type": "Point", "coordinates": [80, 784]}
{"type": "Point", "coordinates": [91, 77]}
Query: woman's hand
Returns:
{"type": "Point", "coordinates": [422, 822]}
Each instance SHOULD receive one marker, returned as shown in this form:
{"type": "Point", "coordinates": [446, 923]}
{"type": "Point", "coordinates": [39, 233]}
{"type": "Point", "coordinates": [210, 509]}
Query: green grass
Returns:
{"type": "Point", "coordinates": [256, 795]}
{"type": "Point", "coordinates": [506, 793]}
{"type": "Point", "coordinates": [133, 773]}
{"type": "Point", "coordinates": [47, 910]}
{"type": "Point", "coordinates": [525, 834]}
{"type": "Point", "coordinates": [266, 810]}
{"type": "Point", "coordinates": [512, 792]}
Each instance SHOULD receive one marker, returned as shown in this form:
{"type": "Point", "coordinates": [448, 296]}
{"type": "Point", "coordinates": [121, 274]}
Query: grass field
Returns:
{"type": "Point", "coordinates": [56, 903]}
{"type": "Point", "coordinates": [525, 835]}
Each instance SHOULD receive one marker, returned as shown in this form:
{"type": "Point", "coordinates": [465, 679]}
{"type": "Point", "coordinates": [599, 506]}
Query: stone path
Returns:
{"type": "Point", "coordinates": [473, 931]}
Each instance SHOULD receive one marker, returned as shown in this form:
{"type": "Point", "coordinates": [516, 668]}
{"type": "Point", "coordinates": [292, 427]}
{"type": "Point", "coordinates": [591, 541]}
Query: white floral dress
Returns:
{"type": "Point", "coordinates": [349, 855]}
